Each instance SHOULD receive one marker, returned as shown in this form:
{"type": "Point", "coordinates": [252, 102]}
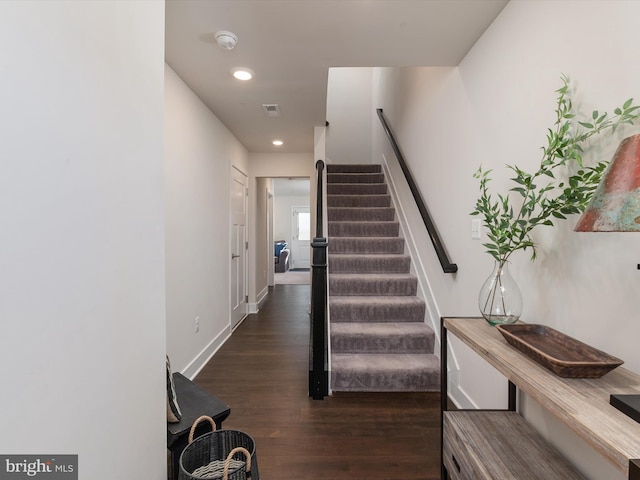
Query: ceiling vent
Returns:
{"type": "Point", "coordinates": [271, 109]}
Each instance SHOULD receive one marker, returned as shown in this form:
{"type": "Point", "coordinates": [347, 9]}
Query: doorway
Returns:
{"type": "Point", "coordinates": [300, 237]}
{"type": "Point", "coordinates": [291, 194]}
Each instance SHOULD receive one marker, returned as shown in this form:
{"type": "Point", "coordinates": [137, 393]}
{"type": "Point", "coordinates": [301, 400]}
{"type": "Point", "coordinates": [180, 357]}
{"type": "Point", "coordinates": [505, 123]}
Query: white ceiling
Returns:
{"type": "Point", "coordinates": [291, 44]}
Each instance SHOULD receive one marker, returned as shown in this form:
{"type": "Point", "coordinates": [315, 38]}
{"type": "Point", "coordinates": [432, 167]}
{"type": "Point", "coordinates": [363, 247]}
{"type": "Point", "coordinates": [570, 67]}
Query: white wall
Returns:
{"type": "Point", "coordinates": [82, 249]}
{"type": "Point", "coordinates": [282, 214]}
{"type": "Point", "coordinates": [349, 107]}
{"type": "Point", "coordinates": [493, 110]}
{"type": "Point", "coordinates": [281, 165]}
{"type": "Point", "coordinates": [199, 152]}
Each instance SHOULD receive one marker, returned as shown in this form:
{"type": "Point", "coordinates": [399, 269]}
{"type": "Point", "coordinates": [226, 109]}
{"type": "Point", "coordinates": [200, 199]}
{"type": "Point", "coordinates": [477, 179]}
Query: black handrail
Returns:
{"type": "Point", "coordinates": [447, 266]}
{"type": "Point", "coordinates": [319, 198]}
{"type": "Point", "coordinates": [318, 345]}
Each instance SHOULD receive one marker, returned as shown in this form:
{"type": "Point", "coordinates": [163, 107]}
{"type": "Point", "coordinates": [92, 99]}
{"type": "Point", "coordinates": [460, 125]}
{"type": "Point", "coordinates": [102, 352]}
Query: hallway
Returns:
{"type": "Point", "coordinates": [262, 373]}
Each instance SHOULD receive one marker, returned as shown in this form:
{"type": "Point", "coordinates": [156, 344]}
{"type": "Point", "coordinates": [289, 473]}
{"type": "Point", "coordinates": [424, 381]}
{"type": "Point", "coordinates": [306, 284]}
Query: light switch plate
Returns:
{"type": "Point", "coordinates": [475, 229]}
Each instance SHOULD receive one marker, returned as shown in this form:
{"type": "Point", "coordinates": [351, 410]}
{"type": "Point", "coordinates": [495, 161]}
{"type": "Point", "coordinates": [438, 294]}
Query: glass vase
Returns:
{"type": "Point", "coordinates": [500, 300]}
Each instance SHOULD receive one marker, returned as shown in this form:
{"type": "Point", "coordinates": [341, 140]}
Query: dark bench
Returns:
{"type": "Point", "coordinates": [194, 402]}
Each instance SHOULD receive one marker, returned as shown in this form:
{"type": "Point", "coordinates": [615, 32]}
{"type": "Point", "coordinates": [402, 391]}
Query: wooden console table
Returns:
{"type": "Point", "coordinates": [580, 404]}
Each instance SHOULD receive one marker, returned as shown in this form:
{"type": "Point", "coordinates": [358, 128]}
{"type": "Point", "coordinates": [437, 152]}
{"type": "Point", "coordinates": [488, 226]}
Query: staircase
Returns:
{"type": "Point", "coordinates": [379, 341]}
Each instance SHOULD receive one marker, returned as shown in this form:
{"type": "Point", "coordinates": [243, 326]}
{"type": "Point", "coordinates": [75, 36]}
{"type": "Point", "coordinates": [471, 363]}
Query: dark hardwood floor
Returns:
{"type": "Point", "coordinates": [262, 373]}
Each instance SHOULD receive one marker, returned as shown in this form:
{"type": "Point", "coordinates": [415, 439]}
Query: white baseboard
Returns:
{"type": "Point", "coordinates": [456, 394]}
{"type": "Point", "coordinates": [260, 298]}
{"type": "Point", "coordinates": [191, 370]}
{"type": "Point", "coordinates": [461, 399]}
{"type": "Point", "coordinates": [432, 314]}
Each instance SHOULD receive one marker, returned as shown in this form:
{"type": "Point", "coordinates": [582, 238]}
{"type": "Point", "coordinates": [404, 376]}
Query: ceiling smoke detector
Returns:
{"type": "Point", "coordinates": [226, 40]}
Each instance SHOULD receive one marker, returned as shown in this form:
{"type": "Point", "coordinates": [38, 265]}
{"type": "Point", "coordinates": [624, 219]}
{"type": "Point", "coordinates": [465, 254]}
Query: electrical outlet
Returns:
{"type": "Point", "coordinates": [475, 229]}
{"type": "Point", "coordinates": [197, 324]}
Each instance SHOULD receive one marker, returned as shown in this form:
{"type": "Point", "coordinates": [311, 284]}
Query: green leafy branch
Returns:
{"type": "Point", "coordinates": [544, 199]}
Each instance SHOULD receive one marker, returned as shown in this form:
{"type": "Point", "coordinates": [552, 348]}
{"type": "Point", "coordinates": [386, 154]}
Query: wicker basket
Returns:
{"type": "Point", "coordinates": [208, 456]}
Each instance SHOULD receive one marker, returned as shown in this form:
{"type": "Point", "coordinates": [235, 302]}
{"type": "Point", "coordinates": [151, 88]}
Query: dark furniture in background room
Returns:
{"type": "Point", "coordinates": [281, 256]}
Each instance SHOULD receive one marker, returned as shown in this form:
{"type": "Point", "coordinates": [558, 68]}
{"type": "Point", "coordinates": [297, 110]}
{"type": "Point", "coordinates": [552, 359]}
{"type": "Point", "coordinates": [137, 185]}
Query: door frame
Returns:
{"type": "Point", "coordinates": [243, 250]}
{"type": "Point", "coordinates": [271, 266]}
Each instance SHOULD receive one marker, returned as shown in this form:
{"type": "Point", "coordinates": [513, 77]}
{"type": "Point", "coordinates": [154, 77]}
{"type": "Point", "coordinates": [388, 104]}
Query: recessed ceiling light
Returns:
{"type": "Point", "coordinates": [242, 73]}
{"type": "Point", "coordinates": [278, 143]}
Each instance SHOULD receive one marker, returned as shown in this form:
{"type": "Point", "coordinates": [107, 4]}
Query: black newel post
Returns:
{"type": "Point", "coordinates": [318, 361]}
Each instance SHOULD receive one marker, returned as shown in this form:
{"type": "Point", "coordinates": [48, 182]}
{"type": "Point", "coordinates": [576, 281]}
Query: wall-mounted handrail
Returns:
{"type": "Point", "coordinates": [447, 266]}
{"type": "Point", "coordinates": [318, 343]}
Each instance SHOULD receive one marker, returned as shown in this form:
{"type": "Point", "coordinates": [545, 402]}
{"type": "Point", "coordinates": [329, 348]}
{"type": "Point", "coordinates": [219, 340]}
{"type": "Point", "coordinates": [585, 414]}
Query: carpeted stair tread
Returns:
{"type": "Point", "coordinates": [354, 168]}
{"type": "Point", "coordinates": [366, 245]}
{"type": "Point", "coordinates": [376, 309]}
{"type": "Point", "coordinates": [385, 372]}
{"type": "Point", "coordinates": [389, 337]}
{"type": "Point", "coordinates": [360, 214]}
{"type": "Point", "coordinates": [358, 200]}
{"type": "Point", "coordinates": [363, 229]}
{"type": "Point", "coordinates": [355, 177]}
{"type": "Point", "coordinates": [396, 284]}
{"type": "Point", "coordinates": [369, 263]}
{"type": "Point", "coordinates": [356, 188]}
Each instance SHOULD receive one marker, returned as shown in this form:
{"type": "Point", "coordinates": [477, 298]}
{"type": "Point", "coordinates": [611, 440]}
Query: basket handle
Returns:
{"type": "Point", "coordinates": [195, 424]}
{"type": "Point", "coordinates": [225, 472]}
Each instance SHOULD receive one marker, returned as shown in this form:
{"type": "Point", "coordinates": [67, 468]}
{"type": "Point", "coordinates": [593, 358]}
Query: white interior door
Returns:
{"type": "Point", "coordinates": [238, 246]}
{"type": "Point", "coordinates": [300, 238]}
